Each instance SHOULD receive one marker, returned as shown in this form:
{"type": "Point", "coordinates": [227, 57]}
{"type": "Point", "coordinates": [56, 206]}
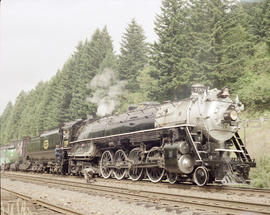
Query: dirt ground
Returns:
{"type": "Point", "coordinates": [91, 204]}
{"type": "Point", "coordinates": [99, 204]}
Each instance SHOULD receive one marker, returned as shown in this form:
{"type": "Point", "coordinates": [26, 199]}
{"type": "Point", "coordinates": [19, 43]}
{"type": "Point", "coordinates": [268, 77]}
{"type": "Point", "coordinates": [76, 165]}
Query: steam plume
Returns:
{"type": "Point", "coordinates": [107, 91]}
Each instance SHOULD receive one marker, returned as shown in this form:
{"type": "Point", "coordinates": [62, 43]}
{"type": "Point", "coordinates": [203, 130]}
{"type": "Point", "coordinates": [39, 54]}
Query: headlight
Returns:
{"type": "Point", "coordinates": [233, 115]}
{"type": "Point", "coordinates": [230, 115]}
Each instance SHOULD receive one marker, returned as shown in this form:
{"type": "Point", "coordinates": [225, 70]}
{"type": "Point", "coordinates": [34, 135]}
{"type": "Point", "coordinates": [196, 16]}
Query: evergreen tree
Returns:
{"type": "Point", "coordinates": [97, 49]}
{"type": "Point", "coordinates": [38, 107]}
{"type": "Point", "coordinates": [221, 41]}
{"type": "Point", "coordinates": [265, 27]}
{"type": "Point", "coordinates": [146, 86]}
{"type": "Point", "coordinates": [30, 124]}
{"type": "Point", "coordinates": [14, 124]}
{"type": "Point", "coordinates": [4, 121]}
{"type": "Point", "coordinates": [133, 55]}
{"type": "Point", "coordinates": [170, 54]}
{"type": "Point", "coordinates": [88, 58]}
{"type": "Point", "coordinates": [254, 19]}
{"type": "Point", "coordinates": [254, 87]}
{"type": "Point", "coordinates": [199, 41]}
{"type": "Point", "coordinates": [50, 104]}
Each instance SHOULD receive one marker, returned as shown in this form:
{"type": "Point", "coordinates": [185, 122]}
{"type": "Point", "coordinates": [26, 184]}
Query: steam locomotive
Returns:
{"type": "Point", "coordinates": [192, 140]}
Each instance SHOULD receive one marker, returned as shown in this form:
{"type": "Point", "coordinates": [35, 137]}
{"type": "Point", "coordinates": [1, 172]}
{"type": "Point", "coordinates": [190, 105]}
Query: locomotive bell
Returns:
{"type": "Point", "coordinates": [224, 93]}
{"type": "Point", "coordinates": [183, 147]}
{"type": "Point", "coordinates": [186, 164]}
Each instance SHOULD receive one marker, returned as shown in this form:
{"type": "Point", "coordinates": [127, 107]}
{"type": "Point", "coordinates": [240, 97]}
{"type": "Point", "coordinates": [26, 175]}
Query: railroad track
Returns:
{"type": "Point", "coordinates": [160, 198]}
{"type": "Point", "coordinates": [247, 191]}
{"type": "Point", "coordinates": [49, 208]}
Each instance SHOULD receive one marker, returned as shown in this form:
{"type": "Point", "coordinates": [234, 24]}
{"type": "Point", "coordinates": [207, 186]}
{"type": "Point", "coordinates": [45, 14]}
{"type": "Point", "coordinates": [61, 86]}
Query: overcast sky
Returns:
{"type": "Point", "coordinates": [37, 36]}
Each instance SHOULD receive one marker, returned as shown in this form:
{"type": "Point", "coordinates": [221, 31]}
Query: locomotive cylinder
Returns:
{"type": "Point", "coordinates": [186, 164]}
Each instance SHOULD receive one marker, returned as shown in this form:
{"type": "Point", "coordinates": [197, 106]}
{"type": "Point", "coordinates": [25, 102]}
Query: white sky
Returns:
{"type": "Point", "coordinates": [38, 36]}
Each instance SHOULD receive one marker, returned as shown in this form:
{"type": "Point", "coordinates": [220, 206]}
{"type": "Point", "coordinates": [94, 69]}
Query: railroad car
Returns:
{"type": "Point", "coordinates": [40, 153]}
{"type": "Point", "coordinates": [34, 153]}
{"type": "Point", "coordinates": [11, 154]}
{"type": "Point", "coordinates": [192, 140]}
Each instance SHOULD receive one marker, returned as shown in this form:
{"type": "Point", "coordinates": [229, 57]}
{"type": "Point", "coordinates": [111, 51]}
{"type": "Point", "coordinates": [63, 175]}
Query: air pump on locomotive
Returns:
{"type": "Point", "coordinates": [195, 139]}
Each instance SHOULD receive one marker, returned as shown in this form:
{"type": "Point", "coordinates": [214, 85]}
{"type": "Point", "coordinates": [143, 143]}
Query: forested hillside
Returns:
{"type": "Point", "coordinates": [215, 42]}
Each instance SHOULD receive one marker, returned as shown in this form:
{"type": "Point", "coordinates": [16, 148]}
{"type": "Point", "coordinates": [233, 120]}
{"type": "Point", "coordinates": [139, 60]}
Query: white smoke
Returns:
{"type": "Point", "coordinates": [107, 89]}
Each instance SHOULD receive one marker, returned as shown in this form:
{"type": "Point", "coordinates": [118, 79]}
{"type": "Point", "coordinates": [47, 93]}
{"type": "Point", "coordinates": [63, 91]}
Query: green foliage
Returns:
{"type": "Point", "coordinates": [254, 87]}
{"type": "Point", "coordinates": [133, 55]}
{"type": "Point", "coordinates": [146, 85]}
{"type": "Point", "coordinates": [259, 20]}
{"type": "Point", "coordinates": [260, 176]}
{"type": "Point", "coordinates": [200, 41]}
{"type": "Point", "coordinates": [170, 54]}
{"type": "Point", "coordinates": [265, 25]}
{"type": "Point", "coordinates": [31, 121]}
{"type": "Point", "coordinates": [256, 93]}
{"type": "Point", "coordinates": [4, 122]}
{"type": "Point", "coordinates": [88, 60]}
{"type": "Point", "coordinates": [14, 122]}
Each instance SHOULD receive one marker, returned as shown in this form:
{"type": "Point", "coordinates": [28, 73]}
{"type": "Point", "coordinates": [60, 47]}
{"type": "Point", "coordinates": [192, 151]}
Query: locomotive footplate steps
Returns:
{"type": "Point", "coordinates": [241, 151]}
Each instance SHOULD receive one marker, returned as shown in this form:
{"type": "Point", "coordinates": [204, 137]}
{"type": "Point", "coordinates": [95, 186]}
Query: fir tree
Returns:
{"type": "Point", "coordinates": [14, 123]}
{"type": "Point", "coordinates": [88, 58]}
{"type": "Point", "coordinates": [4, 121]}
{"type": "Point", "coordinates": [219, 40]}
{"type": "Point", "coordinates": [133, 55]}
{"type": "Point", "coordinates": [170, 54]}
{"type": "Point", "coordinates": [265, 27]}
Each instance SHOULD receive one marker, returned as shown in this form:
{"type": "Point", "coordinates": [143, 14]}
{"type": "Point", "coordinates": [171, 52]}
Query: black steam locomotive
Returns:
{"type": "Point", "coordinates": [195, 139]}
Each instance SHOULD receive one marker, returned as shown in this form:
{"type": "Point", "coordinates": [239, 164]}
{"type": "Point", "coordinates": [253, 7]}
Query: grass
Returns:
{"type": "Point", "coordinates": [257, 136]}
{"type": "Point", "coordinates": [260, 176]}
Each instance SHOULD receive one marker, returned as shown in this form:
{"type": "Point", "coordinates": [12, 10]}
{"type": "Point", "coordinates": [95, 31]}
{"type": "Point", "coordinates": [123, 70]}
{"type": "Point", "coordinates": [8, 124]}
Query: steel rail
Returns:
{"type": "Point", "coordinates": [175, 200]}
{"type": "Point", "coordinates": [183, 186]}
{"type": "Point", "coordinates": [42, 203]}
{"type": "Point", "coordinates": [189, 186]}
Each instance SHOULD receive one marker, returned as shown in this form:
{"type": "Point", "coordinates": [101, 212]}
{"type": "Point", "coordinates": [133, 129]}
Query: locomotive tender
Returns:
{"type": "Point", "coordinates": [195, 139]}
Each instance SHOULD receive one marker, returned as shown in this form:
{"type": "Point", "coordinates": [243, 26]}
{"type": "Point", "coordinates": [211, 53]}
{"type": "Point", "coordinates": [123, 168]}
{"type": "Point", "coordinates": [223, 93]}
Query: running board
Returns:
{"type": "Point", "coordinates": [227, 150]}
